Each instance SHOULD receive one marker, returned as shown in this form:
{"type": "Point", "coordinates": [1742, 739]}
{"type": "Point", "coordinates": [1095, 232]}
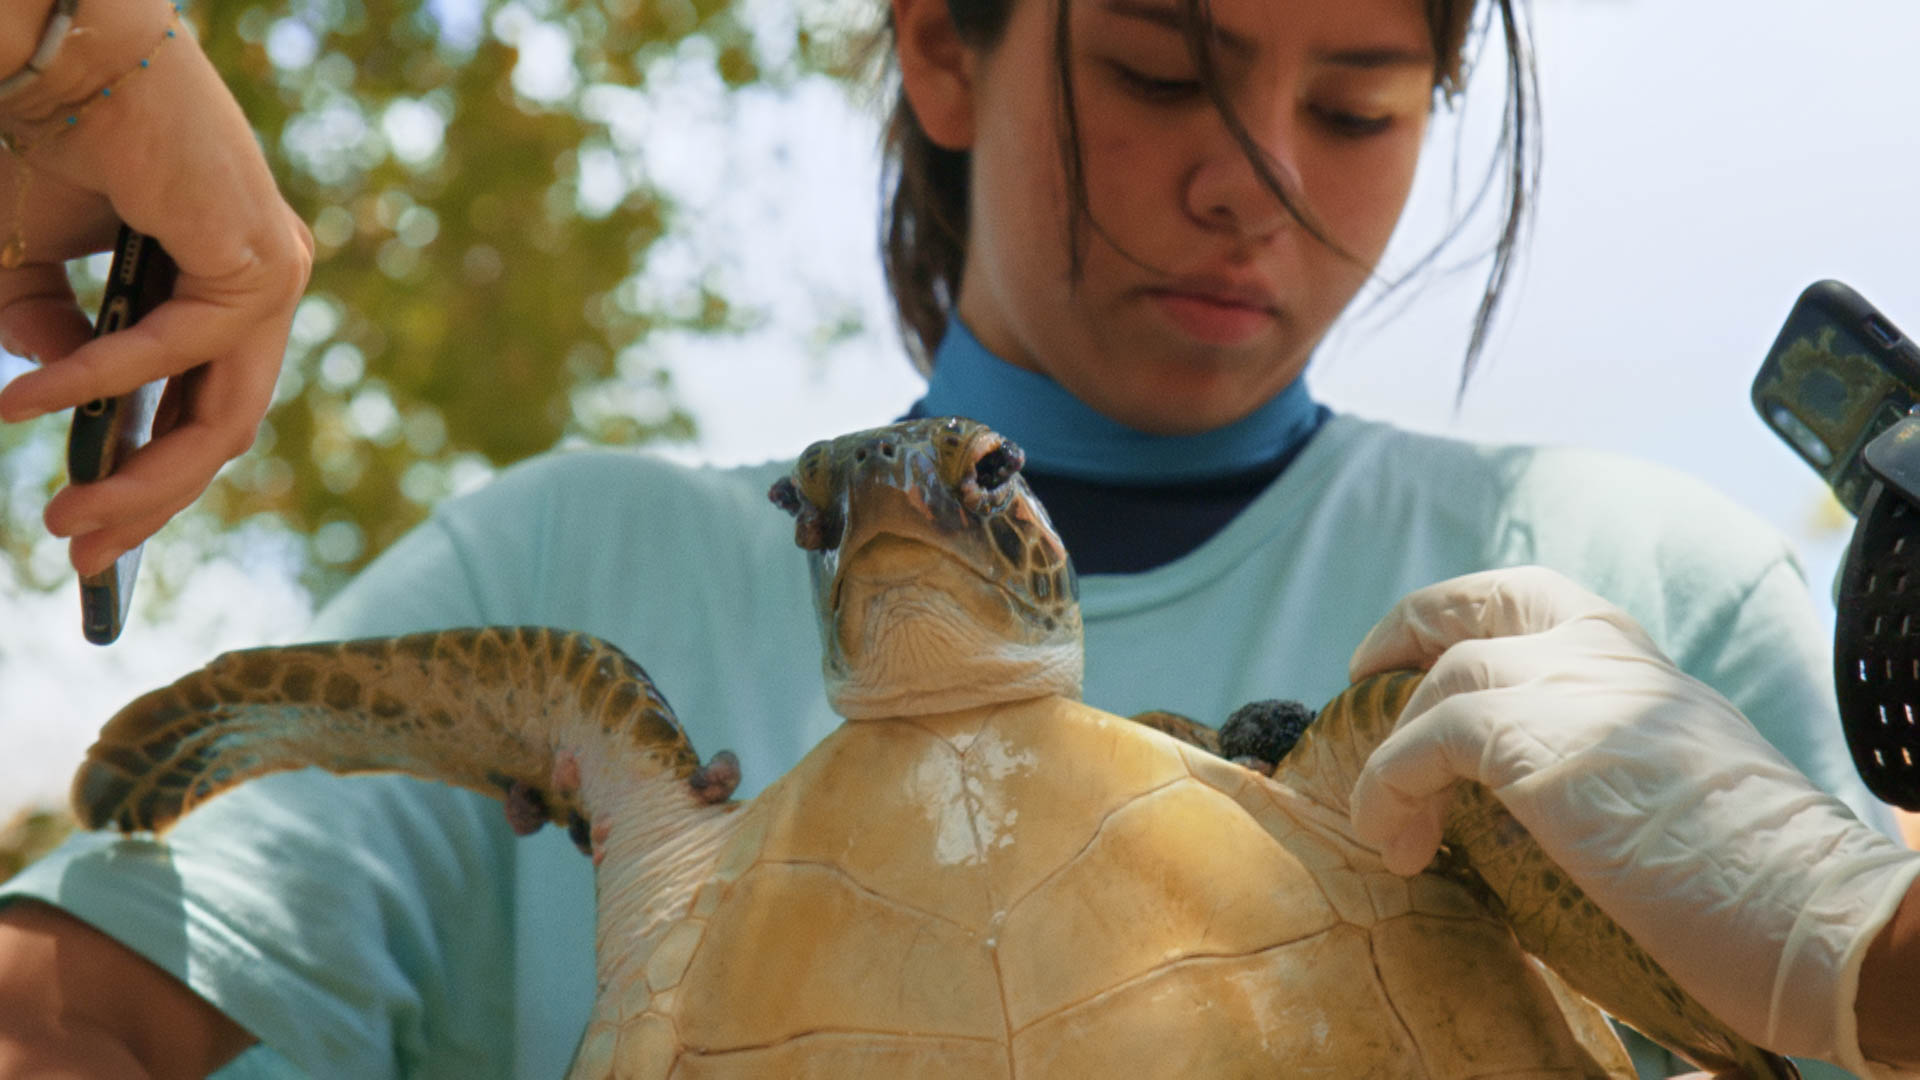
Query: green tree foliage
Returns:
{"type": "Point", "coordinates": [483, 219]}
{"type": "Point", "coordinates": [29, 834]}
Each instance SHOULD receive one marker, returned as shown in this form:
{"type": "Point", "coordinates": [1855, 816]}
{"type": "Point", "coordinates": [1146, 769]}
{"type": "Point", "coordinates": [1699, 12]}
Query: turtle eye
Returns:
{"type": "Point", "coordinates": [997, 466]}
{"type": "Point", "coordinates": [785, 495]}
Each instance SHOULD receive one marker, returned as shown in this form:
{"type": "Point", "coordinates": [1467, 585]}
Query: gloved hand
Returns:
{"type": "Point", "coordinates": [1758, 892]}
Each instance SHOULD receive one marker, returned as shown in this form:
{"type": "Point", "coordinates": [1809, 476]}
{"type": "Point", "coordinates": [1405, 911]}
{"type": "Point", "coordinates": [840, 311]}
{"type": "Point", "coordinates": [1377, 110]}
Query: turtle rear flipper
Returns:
{"type": "Point", "coordinates": [1492, 854]}
{"type": "Point", "coordinates": [1256, 736]}
{"type": "Point", "coordinates": [1552, 918]}
{"type": "Point", "coordinates": [498, 710]}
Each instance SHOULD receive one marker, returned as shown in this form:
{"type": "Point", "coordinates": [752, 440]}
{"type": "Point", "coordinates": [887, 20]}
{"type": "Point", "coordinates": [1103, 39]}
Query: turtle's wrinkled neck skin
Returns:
{"type": "Point", "coordinates": [939, 581]}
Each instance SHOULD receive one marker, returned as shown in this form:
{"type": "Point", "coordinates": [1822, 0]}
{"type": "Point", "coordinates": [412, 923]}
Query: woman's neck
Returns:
{"type": "Point", "coordinates": [1062, 436]}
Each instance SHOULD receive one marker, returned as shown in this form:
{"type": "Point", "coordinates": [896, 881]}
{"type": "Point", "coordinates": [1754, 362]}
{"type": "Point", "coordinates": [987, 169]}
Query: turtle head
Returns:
{"type": "Point", "coordinates": [938, 578]}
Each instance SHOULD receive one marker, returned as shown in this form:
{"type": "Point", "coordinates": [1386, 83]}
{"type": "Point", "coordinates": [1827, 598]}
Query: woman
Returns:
{"type": "Point", "coordinates": [1128, 279]}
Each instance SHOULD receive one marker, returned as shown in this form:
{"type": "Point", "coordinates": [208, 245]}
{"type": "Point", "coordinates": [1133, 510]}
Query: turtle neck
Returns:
{"type": "Point", "coordinates": [1123, 500]}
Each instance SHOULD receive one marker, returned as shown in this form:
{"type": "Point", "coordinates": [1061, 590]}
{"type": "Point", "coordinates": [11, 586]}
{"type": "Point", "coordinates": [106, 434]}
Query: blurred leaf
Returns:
{"type": "Point", "coordinates": [29, 835]}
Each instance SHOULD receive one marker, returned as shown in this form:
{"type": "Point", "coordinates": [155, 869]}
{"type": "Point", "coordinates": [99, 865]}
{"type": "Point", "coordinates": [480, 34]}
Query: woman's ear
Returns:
{"type": "Point", "coordinates": [936, 71]}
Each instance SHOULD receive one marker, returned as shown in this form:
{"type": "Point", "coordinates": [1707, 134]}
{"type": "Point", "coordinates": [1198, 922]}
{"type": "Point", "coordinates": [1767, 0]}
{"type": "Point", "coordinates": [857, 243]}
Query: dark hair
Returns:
{"type": "Point", "coordinates": [924, 186]}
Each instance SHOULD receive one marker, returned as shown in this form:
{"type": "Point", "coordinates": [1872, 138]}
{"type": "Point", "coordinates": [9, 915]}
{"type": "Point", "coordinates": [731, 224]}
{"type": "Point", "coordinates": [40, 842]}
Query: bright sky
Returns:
{"type": "Point", "coordinates": [1705, 160]}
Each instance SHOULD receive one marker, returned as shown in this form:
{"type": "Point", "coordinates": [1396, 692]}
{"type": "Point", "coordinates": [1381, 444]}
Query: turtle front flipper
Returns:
{"type": "Point", "coordinates": [505, 711]}
{"type": "Point", "coordinates": [1486, 849]}
{"type": "Point", "coordinates": [1179, 726]}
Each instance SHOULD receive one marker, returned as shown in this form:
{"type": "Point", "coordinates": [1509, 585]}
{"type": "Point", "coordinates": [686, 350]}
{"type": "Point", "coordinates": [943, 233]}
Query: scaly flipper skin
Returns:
{"type": "Point", "coordinates": [495, 710]}
{"type": "Point", "coordinates": [560, 727]}
{"type": "Point", "coordinates": [1185, 728]}
{"type": "Point", "coordinates": [1486, 849]}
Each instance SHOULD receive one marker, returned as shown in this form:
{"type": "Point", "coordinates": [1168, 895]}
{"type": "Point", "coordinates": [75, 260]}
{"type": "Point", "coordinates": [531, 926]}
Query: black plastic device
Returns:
{"type": "Point", "coordinates": [1840, 386]}
{"type": "Point", "coordinates": [105, 431]}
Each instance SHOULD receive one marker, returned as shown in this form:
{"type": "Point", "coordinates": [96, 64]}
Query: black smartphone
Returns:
{"type": "Point", "coordinates": [106, 430]}
{"type": "Point", "coordinates": [1839, 374]}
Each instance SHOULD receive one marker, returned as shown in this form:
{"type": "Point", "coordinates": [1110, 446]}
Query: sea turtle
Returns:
{"type": "Point", "coordinates": [976, 875]}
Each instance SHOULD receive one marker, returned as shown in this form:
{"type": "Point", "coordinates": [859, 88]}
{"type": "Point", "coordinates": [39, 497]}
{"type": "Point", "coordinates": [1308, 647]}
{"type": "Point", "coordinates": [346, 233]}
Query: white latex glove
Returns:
{"type": "Point", "coordinates": [1755, 890]}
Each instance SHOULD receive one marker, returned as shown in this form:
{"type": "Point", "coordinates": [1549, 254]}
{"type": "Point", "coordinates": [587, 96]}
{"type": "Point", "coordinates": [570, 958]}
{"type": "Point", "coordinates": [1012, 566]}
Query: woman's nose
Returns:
{"type": "Point", "coordinates": [1226, 190]}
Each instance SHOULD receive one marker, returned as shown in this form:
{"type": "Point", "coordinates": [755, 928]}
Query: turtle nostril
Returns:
{"type": "Point", "coordinates": [997, 466]}
{"type": "Point", "coordinates": [886, 450]}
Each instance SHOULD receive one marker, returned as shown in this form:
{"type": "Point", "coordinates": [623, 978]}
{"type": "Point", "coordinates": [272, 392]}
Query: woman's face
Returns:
{"type": "Point", "coordinates": [1200, 295]}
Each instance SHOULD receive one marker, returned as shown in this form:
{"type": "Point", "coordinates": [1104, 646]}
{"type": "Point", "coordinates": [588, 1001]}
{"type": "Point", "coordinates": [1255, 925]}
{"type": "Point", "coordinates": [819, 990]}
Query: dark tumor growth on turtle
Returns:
{"type": "Point", "coordinates": [1261, 733]}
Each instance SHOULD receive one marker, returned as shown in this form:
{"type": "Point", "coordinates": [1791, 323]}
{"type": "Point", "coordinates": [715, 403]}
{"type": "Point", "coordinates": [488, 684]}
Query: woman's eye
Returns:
{"type": "Point", "coordinates": [1149, 88]}
{"type": "Point", "coordinates": [1353, 125]}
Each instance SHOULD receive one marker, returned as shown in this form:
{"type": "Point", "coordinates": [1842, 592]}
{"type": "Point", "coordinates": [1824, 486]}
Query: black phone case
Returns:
{"type": "Point", "coordinates": [1837, 375]}
{"type": "Point", "coordinates": [1838, 386]}
{"type": "Point", "coordinates": [104, 431]}
{"type": "Point", "coordinates": [140, 279]}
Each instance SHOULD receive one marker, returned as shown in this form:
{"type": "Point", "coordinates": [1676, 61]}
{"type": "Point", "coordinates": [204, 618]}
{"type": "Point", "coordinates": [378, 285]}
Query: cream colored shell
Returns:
{"type": "Point", "coordinates": [1048, 891]}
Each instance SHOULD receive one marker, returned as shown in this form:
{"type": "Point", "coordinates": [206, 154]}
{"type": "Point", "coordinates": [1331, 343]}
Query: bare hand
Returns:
{"type": "Point", "coordinates": [172, 156]}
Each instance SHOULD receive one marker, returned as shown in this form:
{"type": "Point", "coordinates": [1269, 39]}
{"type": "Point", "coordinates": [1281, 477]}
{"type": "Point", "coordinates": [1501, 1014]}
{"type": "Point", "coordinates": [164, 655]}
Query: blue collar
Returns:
{"type": "Point", "coordinates": [1063, 436]}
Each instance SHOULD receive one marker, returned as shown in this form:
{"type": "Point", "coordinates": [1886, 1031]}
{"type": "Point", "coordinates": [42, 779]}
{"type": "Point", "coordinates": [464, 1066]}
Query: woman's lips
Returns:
{"type": "Point", "coordinates": [1213, 319]}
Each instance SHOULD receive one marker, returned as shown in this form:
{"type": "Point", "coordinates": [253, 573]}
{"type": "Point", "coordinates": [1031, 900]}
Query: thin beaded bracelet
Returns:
{"type": "Point", "coordinates": [14, 252]}
{"type": "Point", "coordinates": [59, 24]}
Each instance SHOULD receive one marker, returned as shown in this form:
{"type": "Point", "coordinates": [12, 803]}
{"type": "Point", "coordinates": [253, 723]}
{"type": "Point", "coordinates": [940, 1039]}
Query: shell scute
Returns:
{"type": "Point", "coordinates": [1093, 763]}
{"type": "Point", "coordinates": [1473, 961]}
{"type": "Point", "coordinates": [1389, 894]}
{"type": "Point", "coordinates": [836, 1055]}
{"type": "Point", "coordinates": [1443, 899]}
{"type": "Point", "coordinates": [1347, 893]}
{"type": "Point", "coordinates": [1150, 884]}
{"type": "Point", "coordinates": [1217, 1017]}
{"type": "Point", "coordinates": [764, 976]}
{"type": "Point", "coordinates": [1314, 852]}
{"type": "Point", "coordinates": [916, 782]}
